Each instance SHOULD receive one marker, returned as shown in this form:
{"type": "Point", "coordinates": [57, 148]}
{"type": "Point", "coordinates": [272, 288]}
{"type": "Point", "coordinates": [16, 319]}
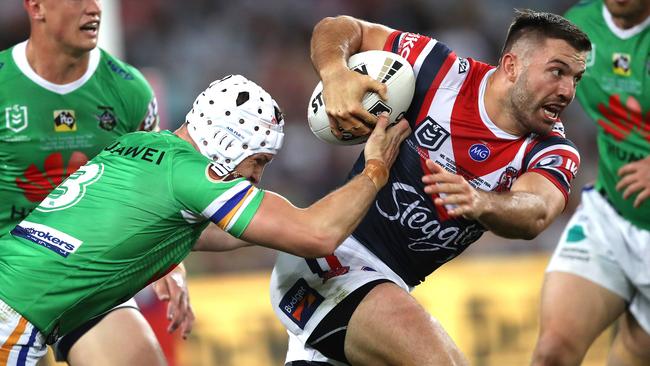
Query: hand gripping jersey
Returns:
{"type": "Point", "coordinates": [450, 126]}
{"type": "Point", "coordinates": [121, 221]}
{"type": "Point", "coordinates": [47, 131]}
{"type": "Point", "coordinates": [615, 93]}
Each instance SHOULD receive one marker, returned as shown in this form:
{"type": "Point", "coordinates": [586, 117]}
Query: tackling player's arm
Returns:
{"type": "Point", "coordinates": [316, 231]}
{"type": "Point", "coordinates": [333, 41]}
{"type": "Point", "coordinates": [526, 210]}
{"type": "Point", "coordinates": [214, 239]}
{"type": "Point", "coordinates": [173, 289]}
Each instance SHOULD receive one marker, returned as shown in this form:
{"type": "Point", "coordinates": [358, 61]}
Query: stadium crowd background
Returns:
{"type": "Point", "coordinates": [183, 45]}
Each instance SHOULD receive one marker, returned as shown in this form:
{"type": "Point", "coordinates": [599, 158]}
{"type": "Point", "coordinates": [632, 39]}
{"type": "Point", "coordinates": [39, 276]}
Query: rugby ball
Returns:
{"type": "Point", "coordinates": [386, 67]}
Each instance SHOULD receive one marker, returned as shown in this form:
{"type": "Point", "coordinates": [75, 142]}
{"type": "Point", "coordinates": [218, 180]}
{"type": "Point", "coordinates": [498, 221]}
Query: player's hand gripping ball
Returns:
{"type": "Point", "coordinates": [386, 67]}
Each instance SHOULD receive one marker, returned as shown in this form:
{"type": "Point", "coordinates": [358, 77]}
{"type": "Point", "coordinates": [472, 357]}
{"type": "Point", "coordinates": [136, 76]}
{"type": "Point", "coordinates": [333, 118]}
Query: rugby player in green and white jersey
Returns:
{"type": "Point", "coordinates": [601, 267]}
{"type": "Point", "coordinates": [137, 209]}
{"type": "Point", "coordinates": [62, 100]}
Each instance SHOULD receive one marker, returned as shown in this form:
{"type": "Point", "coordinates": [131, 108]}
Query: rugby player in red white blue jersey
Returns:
{"type": "Point", "coordinates": [492, 150]}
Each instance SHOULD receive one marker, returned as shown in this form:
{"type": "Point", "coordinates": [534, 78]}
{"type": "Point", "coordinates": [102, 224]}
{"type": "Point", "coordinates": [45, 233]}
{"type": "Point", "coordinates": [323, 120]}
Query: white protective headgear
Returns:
{"type": "Point", "coordinates": [233, 119]}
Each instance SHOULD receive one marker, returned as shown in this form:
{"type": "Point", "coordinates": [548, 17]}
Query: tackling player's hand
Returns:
{"type": "Point", "coordinates": [383, 143]}
{"type": "Point", "coordinates": [635, 178]}
{"type": "Point", "coordinates": [173, 288]}
{"type": "Point", "coordinates": [343, 90]}
{"type": "Point", "coordinates": [463, 199]}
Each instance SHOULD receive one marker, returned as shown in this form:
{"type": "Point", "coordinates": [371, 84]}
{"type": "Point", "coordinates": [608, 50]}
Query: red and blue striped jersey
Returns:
{"type": "Point", "coordinates": [450, 126]}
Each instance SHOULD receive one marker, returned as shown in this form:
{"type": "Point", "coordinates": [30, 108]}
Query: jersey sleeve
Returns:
{"type": "Point", "coordinates": [431, 61]}
{"type": "Point", "coordinates": [557, 159]}
{"type": "Point", "coordinates": [145, 108]}
{"type": "Point", "coordinates": [425, 54]}
{"type": "Point", "coordinates": [230, 205]}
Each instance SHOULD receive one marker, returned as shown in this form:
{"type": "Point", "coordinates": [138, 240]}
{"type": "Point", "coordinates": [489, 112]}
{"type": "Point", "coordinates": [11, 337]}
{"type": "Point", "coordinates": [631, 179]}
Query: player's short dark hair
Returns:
{"type": "Point", "coordinates": [543, 26]}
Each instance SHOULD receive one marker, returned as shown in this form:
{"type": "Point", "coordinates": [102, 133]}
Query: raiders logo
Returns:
{"type": "Point", "coordinates": [106, 118]}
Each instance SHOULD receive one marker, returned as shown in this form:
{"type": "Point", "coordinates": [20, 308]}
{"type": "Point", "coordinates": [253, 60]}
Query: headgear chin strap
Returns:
{"type": "Point", "coordinates": [233, 119]}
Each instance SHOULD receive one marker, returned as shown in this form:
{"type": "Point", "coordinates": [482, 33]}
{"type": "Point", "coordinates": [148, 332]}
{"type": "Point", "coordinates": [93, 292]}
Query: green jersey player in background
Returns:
{"type": "Point", "coordinates": [137, 209]}
{"type": "Point", "coordinates": [62, 100]}
{"type": "Point", "coordinates": [601, 267]}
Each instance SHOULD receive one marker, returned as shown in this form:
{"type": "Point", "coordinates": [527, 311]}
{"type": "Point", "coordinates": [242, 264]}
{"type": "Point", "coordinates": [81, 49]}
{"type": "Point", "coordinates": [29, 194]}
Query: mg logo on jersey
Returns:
{"type": "Point", "coordinates": [16, 117]}
{"type": "Point", "coordinates": [300, 303]}
{"type": "Point", "coordinates": [621, 64]}
{"type": "Point", "coordinates": [479, 152]}
{"type": "Point", "coordinates": [430, 135]}
{"type": "Point", "coordinates": [64, 120]}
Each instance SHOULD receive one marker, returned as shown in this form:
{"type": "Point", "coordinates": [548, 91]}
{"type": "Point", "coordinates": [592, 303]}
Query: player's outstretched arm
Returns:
{"type": "Point", "coordinates": [526, 210]}
{"type": "Point", "coordinates": [214, 239]}
{"type": "Point", "coordinates": [317, 230]}
{"type": "Point", "coordinates": [333, 41]}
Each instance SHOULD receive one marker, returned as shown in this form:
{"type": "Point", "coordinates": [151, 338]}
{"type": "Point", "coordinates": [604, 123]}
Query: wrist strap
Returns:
{"type": "Point", "coordinates": [377, 172]}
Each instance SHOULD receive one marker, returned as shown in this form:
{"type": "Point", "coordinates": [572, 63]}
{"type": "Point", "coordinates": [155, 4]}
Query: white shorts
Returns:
{"type": "Point", "coordinates": [22, 343]}
{"type": "Point", "coordinates": [601, 246]}
{"type": "Point", "coordinates": [303, 290]}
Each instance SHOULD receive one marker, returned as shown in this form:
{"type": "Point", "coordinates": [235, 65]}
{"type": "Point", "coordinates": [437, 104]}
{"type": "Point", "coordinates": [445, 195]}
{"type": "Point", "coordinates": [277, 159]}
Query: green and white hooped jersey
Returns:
{"type": "Point", "coordinates": [124, 219]}
{"type": "Point", "coordinates": [47, 130]}
{"type": "Point", "coordinates": [615, 93]}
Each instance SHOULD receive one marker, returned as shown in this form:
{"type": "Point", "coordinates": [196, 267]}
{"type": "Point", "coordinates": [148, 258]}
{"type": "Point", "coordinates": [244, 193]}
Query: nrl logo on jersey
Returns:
{"type": "Point", "coordinates": [16, 117]}
{"type": "Point", "coordinates": [65, 120]}
{"type": "Point", "coordinates": [430, 135]}
{"type": "Point", "coordinates": [106, 118]}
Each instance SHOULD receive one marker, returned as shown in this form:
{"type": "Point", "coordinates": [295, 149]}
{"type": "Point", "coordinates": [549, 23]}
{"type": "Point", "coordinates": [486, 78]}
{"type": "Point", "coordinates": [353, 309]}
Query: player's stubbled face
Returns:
{"type": "Point", "coordinates": [73, 23]}
{"type": "Point", "coordinates": [253, 166]}
{"type": "Point", "coordinates": [627, 8]}
{"type": "Point", "coordinates": [546, 84]}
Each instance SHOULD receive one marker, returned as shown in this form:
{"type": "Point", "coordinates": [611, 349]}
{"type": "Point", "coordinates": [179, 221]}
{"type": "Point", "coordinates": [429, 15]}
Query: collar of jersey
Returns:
{"type": "Point", "coordinates": [623, 33]}
{"type": "Point", "coordinates": [498, 132]}
{"type": "Point", "coordinates": [19, 54]}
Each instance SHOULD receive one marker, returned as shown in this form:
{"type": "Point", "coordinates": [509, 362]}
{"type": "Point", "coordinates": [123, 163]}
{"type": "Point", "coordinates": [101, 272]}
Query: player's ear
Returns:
{"type": "Point", "coordinates": [34, 9]}
{"type": "Point", "coordinates": [509, 64]}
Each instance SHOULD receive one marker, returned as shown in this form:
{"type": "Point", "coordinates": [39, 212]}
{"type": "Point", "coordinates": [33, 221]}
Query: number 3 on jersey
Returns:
{"type": "Point", "coordinates": [68, 193]}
